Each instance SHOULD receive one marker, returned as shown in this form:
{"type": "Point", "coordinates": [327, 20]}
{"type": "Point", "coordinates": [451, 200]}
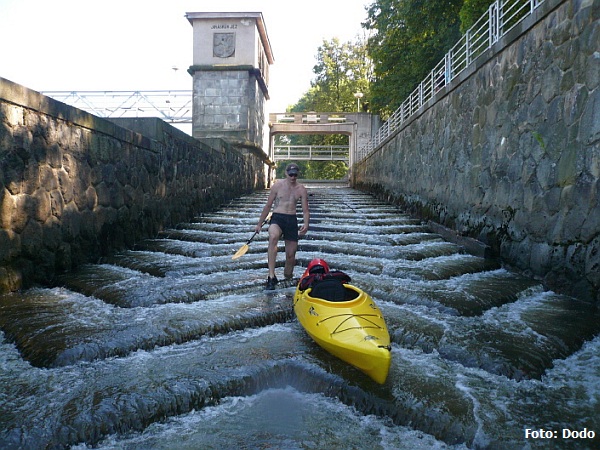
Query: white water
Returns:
{"type": "Point", "coordinates": [174, 345]}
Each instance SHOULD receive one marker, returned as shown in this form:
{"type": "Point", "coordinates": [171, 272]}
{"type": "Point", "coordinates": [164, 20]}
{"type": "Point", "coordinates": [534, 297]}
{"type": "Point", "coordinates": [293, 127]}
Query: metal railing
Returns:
{"type": "Point", "coordinates": [171, 106]}
{"type": "Point", "coordinates": [311, 117]}
{"type": "Point", "coordinates": [501, 17]}
{"type": "Point", "coordinates": [311, 152]}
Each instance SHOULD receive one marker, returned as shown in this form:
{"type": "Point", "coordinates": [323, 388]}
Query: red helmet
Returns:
{"type": "Point", "coordinates": [317, 266]}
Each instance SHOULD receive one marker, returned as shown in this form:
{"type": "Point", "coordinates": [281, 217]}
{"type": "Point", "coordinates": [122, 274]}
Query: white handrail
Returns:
{"type": "Point", "coordinates": [311, 152]}
{"type": "Point", "coordinates": [501, 17]}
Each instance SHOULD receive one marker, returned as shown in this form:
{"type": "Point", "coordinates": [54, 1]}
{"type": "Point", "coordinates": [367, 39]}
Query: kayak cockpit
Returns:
{"type": "Point", "coordinates": [333, 290]}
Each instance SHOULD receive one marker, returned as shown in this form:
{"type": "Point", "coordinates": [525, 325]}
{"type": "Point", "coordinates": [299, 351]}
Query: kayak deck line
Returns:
{"type": "Point", "coordinates": [348, 318]}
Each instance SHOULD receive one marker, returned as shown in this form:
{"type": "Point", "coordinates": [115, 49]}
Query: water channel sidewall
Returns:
{"type": "Point", "coordinates": [74, 186]}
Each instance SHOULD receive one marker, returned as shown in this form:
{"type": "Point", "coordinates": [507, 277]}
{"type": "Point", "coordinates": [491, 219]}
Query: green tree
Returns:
{"type": "Point", "coordinates": [471, 11]}
{"type": "Point", "coordinates": [409, 37]}
{"type": "Point", "coordinates": [316, 170]}
{"type": "Point", "coordinates": [341, 70]}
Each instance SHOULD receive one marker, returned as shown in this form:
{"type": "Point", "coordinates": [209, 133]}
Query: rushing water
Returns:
{"type": "Point", "coordinates": [174, 345]}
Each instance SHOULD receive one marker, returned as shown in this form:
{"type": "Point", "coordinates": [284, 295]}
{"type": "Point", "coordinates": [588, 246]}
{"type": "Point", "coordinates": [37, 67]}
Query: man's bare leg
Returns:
{"type": "Point", "coordinates": [274, 235]}
{"type": "Point", "coordinates": [290, 259]}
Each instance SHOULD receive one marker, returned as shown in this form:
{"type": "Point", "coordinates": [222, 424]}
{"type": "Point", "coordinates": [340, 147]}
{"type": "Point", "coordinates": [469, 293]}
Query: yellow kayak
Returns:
{"type": "Point", "coordinates": [353, 329]}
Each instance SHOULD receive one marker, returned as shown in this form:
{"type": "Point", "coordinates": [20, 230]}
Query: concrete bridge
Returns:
{"type": "Point", "coordinates": [359, 127]}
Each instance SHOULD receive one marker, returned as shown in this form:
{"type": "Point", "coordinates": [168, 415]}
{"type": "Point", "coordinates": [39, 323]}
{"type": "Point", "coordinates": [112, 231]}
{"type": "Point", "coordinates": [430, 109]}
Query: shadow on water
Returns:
{"type": "Point", "coordinates": [173, 345]}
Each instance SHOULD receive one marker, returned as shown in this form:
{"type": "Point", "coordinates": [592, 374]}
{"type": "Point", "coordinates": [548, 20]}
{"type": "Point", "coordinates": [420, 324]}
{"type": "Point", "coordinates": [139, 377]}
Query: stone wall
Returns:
{"type": "Point", "coordinates": [510, 153]}
{"type": "Point", "coordinates": [74, 186]}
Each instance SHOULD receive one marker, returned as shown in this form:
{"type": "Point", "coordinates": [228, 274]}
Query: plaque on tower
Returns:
{"type": "Point", "coordinates": [223, 45]}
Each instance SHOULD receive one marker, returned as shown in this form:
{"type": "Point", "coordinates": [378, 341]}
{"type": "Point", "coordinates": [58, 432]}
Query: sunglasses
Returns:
{"type": "Point", "coordinates": [293, 174]}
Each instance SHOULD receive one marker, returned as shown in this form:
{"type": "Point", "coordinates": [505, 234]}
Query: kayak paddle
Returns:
{"type": "Point", "coordinates": [244, 248]}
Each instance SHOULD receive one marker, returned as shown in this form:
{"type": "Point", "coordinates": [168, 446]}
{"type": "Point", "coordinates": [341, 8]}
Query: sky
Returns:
{"type": "Point", "coordinates": [85, 45]}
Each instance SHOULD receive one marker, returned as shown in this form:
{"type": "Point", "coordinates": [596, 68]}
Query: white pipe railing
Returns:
{"type": "Point", "coordinates": [501, 17]}
{"type": "Point", "coordinates": [311, 152]}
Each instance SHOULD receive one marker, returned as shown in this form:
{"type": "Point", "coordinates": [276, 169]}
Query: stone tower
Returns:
{"type": "Point", "coordinates": [230, 71]}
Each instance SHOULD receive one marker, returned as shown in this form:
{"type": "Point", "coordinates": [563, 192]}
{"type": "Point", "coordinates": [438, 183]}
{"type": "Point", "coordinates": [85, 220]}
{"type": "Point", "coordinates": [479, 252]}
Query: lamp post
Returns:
{"type": "Point", "coordinates": [358, 96]}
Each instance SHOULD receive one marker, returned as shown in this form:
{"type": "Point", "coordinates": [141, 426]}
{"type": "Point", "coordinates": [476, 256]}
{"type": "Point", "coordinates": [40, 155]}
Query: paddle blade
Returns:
{"type": "Point", "coordinates": [241, 252]}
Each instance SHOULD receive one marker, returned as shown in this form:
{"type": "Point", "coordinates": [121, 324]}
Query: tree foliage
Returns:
{"type": "Point", "coordinates": [471, 11]}
{"type": "Point", "coordinates": [342, 69]}
{"type": "Point", "coordinates": [409, 37]}
{"type": "Point", "coordinates": [316, 170]}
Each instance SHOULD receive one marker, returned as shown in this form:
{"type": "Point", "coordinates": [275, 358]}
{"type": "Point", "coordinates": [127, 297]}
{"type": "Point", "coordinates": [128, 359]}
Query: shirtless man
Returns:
{"type": "Point", "coordinates": [284, 197]}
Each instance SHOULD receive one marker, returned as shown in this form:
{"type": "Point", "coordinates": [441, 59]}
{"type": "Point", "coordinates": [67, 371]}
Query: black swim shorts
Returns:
{"type": "Point", "coordinates": [288, 224]}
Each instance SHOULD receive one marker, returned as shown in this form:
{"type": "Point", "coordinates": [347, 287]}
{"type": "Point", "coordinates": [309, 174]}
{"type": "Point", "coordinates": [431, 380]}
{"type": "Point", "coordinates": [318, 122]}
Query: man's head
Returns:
{"type": "Point", "coordinates": [292, 170]}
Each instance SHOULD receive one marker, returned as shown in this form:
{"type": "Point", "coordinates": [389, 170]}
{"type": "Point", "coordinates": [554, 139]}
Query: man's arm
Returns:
{"type": "Point", "coordinates": [305, 213]}
{"type": "Point", "coordinates": [267, 208]}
